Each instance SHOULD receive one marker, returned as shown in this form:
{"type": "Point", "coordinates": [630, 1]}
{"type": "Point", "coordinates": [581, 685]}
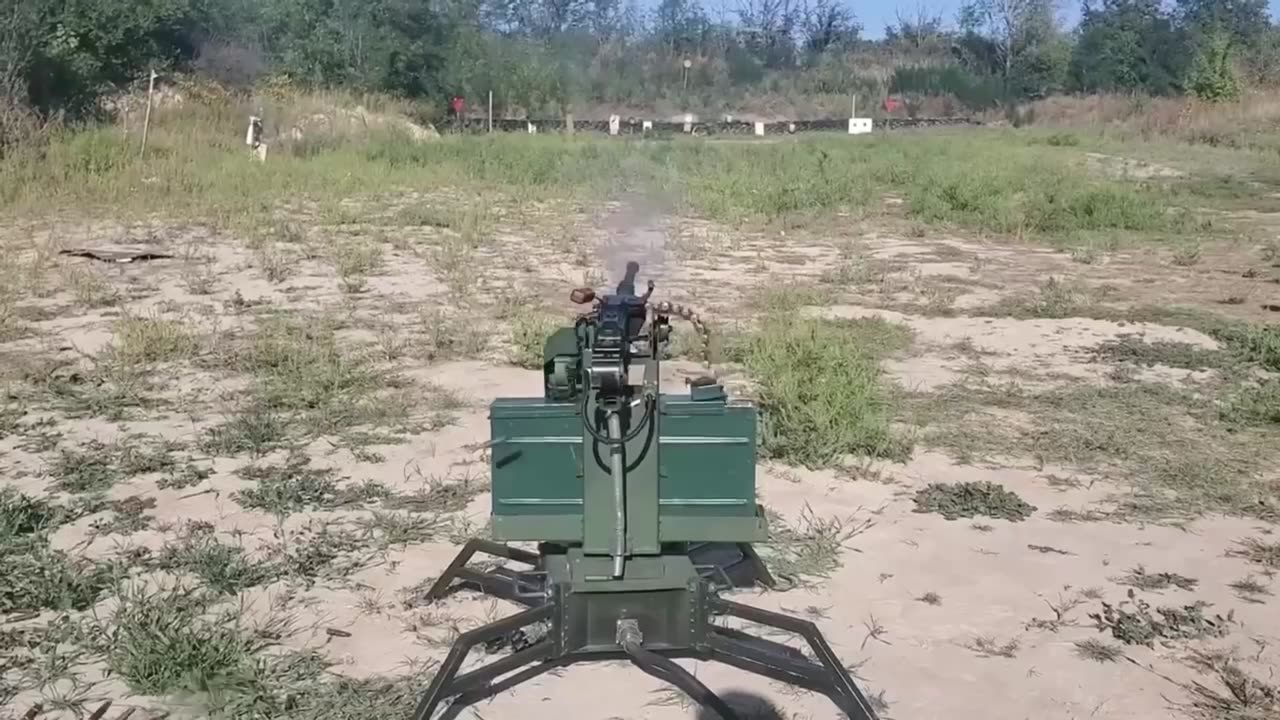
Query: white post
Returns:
{"type": "Point", "coordinates": [146, 123]}
{"type": "Point", "coordinates": [615, 124]}
{"type": "Point", "coordinates": [759, 128]}
{"type": "Point", "coordinates": [490, 111]}
{"type": "Point", "coordinates": [647, 126]}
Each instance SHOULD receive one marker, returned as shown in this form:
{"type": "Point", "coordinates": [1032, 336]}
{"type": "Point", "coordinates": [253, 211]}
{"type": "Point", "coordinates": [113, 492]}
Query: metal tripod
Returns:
{"type": "Point", "coordinates": [546, 605]}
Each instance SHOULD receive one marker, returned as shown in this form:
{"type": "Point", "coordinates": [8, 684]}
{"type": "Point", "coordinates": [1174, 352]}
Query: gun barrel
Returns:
{"type": "Point", "coordinates": [619, 494]}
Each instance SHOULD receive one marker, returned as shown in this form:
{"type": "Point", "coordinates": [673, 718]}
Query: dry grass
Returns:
{"type": "Point", "coordinates": [1146, 117]}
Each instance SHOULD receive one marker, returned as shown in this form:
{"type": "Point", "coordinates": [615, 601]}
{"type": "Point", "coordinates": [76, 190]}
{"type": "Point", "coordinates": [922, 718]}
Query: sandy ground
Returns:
{"type": "Point", "coordinates": [997, 581]}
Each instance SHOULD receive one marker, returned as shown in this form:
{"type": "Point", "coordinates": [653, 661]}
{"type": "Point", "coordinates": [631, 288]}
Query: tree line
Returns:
{"type": "Point", "coordinates": [548, 55]}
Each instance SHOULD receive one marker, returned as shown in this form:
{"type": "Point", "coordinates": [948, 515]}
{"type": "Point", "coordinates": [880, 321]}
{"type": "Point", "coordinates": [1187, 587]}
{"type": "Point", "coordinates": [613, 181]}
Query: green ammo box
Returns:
{"type": "Point", "coordinates": [706, 470]}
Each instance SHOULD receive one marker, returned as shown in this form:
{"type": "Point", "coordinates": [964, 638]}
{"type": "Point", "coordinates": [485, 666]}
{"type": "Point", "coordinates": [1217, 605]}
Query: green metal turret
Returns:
{"type": "Point", "coordinates": [643, 505]}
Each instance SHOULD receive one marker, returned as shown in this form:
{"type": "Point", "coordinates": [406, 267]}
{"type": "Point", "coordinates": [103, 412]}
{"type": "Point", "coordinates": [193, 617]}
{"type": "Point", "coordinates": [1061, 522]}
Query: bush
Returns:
{"type": "Point", "coordinates": [976, 92]}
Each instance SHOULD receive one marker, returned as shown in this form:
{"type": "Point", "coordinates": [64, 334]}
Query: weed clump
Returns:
{"type": "Point", "coordinates": [1149, 581]}
{"type": "Point", "coordinates": [1246, 697]}
{"type": "Point", "coordinates": [1253, 404]}
{"type": "Point", "coordinates": [971, 499]}
{"type": "Point", "coordinates": [222, 567]}
{"type": "Point", "coordinates": [295, 486]}
{"type": "Point", "coordinates": [142, 340]}
{"type": "Point", "coordinates": [1259, 552]}
{"type": "Point", "coordinates": [1140, 626]}
{"type": "Point", "coordinates": [302, 376]}
{"type": "Point", "coordinates": [36, 576]}
{"type": "Point", "coordinates": [1133, 349]}
{"type": "Point", "coordinates": [99, 466]}
{"type": "Point", "coordinates": [820, 390]}
{"type": "Point", "coordinates": [1098, 651]}
{"type": "Point", "coordinates": [529, 333]}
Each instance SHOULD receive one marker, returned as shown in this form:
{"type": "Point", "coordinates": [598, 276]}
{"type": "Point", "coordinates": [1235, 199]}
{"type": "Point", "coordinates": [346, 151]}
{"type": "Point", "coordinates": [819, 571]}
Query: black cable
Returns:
{"type": "Point", "coordinates": [668, 671]}
{"type": "Point", "coordinates": [631, 435]}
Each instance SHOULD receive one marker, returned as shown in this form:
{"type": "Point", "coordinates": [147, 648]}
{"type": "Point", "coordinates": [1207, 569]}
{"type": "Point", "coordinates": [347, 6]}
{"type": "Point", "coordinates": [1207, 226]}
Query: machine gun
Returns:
{"type": "Point", "coordinates": [643, 507]}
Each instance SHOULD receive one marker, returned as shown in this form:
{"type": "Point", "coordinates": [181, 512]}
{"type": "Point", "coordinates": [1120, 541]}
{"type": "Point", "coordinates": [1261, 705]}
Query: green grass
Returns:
{"type": "Point", "coordinates": [82, 389]}
{"type": "Point", "coordinates": [296, 485]}
{"type": "Point", "coordinates": [820, 389]}
{"type": "Point", "coordinates": [529, 332]}
{"type": "Point", "coordinates": [221, 567]}
{"type": "Point", "coordinates": [162, 642]}
{"type": "Point", "coordinates": [253, 429]}
{"type": "Point", "coordinates": [37, 576]}
{"type": "Point", "coordinates": [95, 466]}
{"type": "Point", "coordinates": [305, 384]}
{"type": "Point", "coordinates": [144, 340]}
{"type": "Point", "coordinates": [1003, 182]}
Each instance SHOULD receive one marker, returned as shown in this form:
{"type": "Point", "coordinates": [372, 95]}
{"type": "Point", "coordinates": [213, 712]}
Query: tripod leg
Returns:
{"type": "Point", "coordinates": [443, 684]}
{"type": "Point", "coordinates": [490, 689]}
{"type": "Point", "coordinates": [762, 571]}
{"type": "Point", "coordinates": [457, 568]}
{"type": "Point", "coordinates": [669, 672]}
{"type": "Point", "coordinates": [841, 686]}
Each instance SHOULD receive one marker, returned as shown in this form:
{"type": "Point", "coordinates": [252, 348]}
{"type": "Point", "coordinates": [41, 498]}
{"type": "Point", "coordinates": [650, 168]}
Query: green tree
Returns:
{"type": "Point", "coordinates": [1213, 74]}
{"type": "Point", "coordinates": [1127, 45]}
{"type": "Point", "coordinates": [1245, 22]}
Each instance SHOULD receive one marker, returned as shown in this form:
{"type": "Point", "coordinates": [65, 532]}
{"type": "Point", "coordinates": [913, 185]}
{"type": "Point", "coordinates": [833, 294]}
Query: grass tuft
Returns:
{"type": "Point", "coordinates": [300, 371]}
{"type": "Point", "coordinates": [296, 486]}
{"type": "Point", "coordinates": [810, 549]}
{"type": "Point", "coordinates": [143, 341]}
{"type": "Point", "coordinates": [820, 388]}
{"type": "Point", "coordinates": [1139, 626]}
{"type": "Point", "coordinates": [1098, 651]}
{"type": "Point", "coordinates": [170, 641]}
{"type": "Point", "coordinates": [1154, 582]}
{"type": "Point", "coordinates": [1258, 552]}
{"type": "Point", "coordinates": [529, 333]}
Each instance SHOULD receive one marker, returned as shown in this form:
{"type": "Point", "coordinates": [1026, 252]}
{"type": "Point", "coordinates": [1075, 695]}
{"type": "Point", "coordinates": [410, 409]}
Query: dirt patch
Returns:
{"type": "Point", "coordinates": [1122, 167]}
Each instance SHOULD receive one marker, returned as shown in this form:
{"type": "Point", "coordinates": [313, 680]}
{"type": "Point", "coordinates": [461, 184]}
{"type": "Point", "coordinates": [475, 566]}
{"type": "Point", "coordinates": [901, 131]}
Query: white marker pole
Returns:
{"type": "Point", "coordinates": [146, 122]}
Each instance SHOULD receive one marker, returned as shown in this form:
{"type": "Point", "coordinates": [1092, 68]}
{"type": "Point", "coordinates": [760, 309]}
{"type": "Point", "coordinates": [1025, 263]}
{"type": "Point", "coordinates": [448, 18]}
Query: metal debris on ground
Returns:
{"type": "Point", "coordinates": [116, 255]}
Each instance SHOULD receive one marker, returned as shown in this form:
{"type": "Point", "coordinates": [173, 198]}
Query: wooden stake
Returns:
{"type": "Point", "coordinates": [146, 123]}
